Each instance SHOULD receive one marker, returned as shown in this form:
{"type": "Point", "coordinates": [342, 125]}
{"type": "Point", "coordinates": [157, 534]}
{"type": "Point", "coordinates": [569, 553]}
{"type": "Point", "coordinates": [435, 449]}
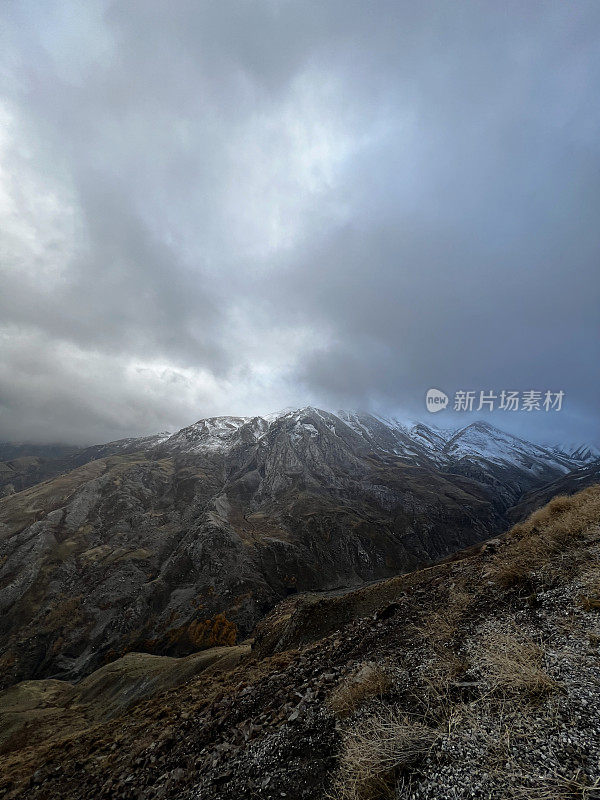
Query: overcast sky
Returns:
{"type": "Point", "coordinates": [232, 207]}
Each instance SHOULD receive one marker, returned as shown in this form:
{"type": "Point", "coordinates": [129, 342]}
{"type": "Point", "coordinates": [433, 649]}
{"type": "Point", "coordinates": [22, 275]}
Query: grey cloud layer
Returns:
{"type": "Point", "coordinates": [229, 207]}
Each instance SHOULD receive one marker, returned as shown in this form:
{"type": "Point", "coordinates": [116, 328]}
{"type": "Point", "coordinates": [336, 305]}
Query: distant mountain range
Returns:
{"type": "Point", "coordinates": [478, 443]}
{"type": "Point", "coordinates": [174, 542]}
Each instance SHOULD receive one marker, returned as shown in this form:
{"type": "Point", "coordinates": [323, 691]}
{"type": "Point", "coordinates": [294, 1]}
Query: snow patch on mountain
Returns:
{"type": "Point", "coordinates": [485, 442]}
{"type": "Point", "coordinates": [576, 451]}
{"type": "Point", "coordinates": [215, 434]}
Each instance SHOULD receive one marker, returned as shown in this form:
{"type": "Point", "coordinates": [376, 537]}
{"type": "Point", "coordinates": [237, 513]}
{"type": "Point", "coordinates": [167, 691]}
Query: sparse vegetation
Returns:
{"type": "Point", "coordinates": [547, 533]}
{"type": "Point", "coordinates": [443, 624]}
{"type": "Point", "coordinates": [559, 788]}
{"type": "Point", "coordinates": [376, 750]}
{"type": "Point", "coordinates": [590, 585]}
{"type": "Point", "coordinates": [368, 681]}
{"type": "Point", "coordinates": [514, 664]}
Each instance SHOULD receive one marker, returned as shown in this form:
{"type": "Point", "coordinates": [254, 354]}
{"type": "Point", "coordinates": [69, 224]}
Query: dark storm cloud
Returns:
{"type": "Point", "coordinates": [229, 207]}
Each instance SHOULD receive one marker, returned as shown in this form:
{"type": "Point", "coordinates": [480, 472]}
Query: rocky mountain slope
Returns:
{"type": "Point", "coordinates": [23, 465]}
{"type": "Point", "coordinates": [174, 543]}
{"type": "Point", "coordinates": [568, 484]}
{"type": "Point", "coordinates": [476, 677]}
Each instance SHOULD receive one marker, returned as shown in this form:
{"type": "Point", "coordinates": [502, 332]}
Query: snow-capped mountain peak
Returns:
{"type": "Point", "coordinates": [476, 446]}
{"type": "Point", "coordinates": [484, 442]}
{"type": "Point", "coordinates": [214, 434]}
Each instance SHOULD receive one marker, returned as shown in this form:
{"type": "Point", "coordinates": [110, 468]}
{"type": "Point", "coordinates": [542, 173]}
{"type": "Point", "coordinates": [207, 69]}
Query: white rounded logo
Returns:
{"type": "Point", "coordinates": [435, 400]}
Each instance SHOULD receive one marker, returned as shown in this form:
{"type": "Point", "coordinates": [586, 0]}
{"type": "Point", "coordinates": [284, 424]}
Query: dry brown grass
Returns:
{"type": "Point", "coordinates": [590, 586]}
{"type": "Point", "coordinates": [548, 532]}
{"type": "Point", "coordinates": [442, 624]}
{"type": "Point", "coordinates": [435, 693]}
{"type": "Point", "coordinates": [513, 664]}
{"type": "Point", "coordinates": [590, 578]}
{"type": "Point", "coordinates": [367, 682]}
{"type": "Point", "coordinates": [439, 631]}
{"type": "Point", "coordinates": [376, 750]}
{"type": "Point", "coordinates": [559, 788]}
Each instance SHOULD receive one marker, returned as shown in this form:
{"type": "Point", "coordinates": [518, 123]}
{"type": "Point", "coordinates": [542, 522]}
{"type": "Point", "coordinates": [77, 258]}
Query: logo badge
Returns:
{"type": "Point", "coordinates": [435, 400]}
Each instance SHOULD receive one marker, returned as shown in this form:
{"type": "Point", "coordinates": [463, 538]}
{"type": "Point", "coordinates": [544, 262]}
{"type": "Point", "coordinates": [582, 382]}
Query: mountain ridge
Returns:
{"type": "Point", "coordinates": [212, 432]}
{"type": "Point", "coordinates": [169, 544]}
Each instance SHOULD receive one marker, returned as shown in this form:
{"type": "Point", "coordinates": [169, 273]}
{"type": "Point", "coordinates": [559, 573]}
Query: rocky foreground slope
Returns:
{"type": "Point", "coordinates": [476, 677]}
{"type": "Point", "coordinates": [174, 543]}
